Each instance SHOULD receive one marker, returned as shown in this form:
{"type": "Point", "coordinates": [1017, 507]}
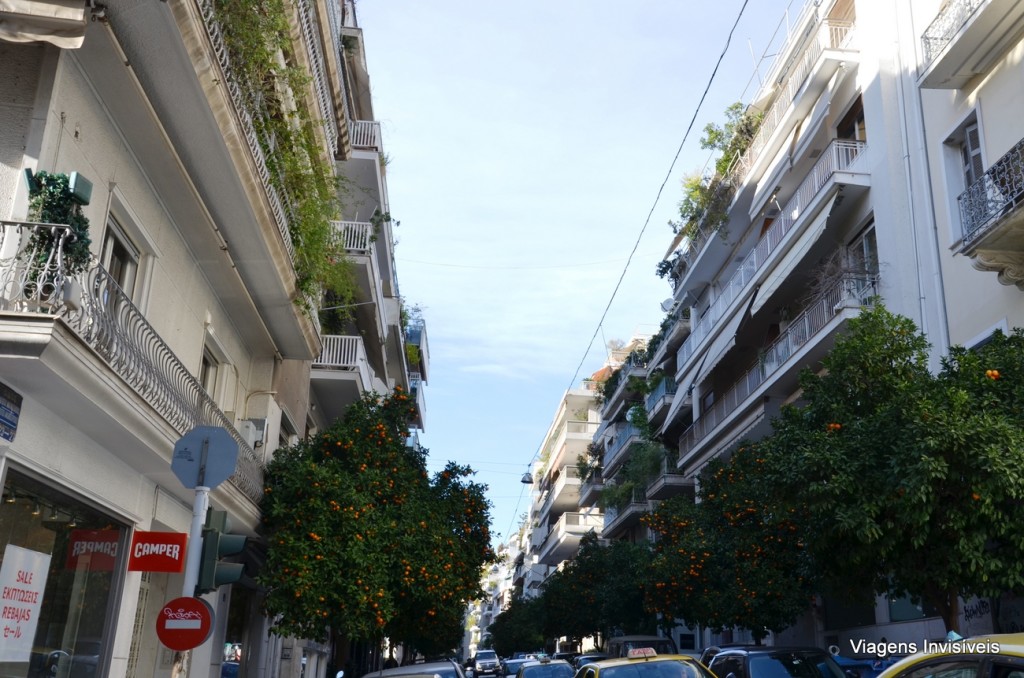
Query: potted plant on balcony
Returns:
{"type": "Point", "coordinates": [54, 256]}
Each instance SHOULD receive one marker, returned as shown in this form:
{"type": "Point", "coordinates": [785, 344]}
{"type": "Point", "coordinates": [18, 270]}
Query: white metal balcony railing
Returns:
{"type": "Point", "coordinates": [246, 109]}
{"type": "Point", "coordinates": [800, 332]}
{"type": "Point", "coordinates": [830, 35]}
{"type": "Point", "coordinates": [667, 386]}
{"type": "Point", "coordinates": [319, 69]}
{"type": "Point", "coordinates": [356, 236]}
{"type": "Point", "coordinates": [998, 190]}
{"type": "Point", "coordinates": [946, 24]}
{"type": "Point", "coordinates": [366, 134]}
{"type": "Point", "coordinates": [839, 155]}
{"type": "Point", "coordinates": [105, 319]}
{"type": "Point", "coordinates": [347, 354]}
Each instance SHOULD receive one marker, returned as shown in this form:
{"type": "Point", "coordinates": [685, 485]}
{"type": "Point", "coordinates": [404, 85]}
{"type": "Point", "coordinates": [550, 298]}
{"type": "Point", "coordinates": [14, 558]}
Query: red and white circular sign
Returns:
{"type": "Point", "coordinates": [184, 623]}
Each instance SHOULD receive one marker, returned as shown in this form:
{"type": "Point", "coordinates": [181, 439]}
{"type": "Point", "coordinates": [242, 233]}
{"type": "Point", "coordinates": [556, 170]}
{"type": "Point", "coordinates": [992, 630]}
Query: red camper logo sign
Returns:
{"type": "Point", "coordinates": [99, 547]}
{"type": "Point", "coordinates": [157, 552]}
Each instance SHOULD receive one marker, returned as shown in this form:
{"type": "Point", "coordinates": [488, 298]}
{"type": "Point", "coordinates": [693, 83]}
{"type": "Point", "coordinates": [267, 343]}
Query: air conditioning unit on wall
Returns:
{"type": "Point", "coordinates": [253, 431]}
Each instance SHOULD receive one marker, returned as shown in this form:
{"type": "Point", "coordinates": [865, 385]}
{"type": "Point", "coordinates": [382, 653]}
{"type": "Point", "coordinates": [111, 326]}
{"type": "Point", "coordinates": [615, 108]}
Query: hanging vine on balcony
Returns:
{"type": "Point", "coordinates": [257, 34]}
{"type": "Point", "coordinates": [52, 202]}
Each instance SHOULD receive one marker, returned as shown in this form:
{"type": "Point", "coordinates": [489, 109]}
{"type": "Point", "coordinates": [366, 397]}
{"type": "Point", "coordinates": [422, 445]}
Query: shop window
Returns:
{"type": "Point", "coordinates": [60, 559]}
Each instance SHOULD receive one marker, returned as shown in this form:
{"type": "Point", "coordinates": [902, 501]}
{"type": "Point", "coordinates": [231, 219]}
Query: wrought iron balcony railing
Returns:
{"type": "Point", "coordinates": [246, 112]}
{"type": "Point", "coordinates": [799, 333]}
{"type": "Point", "coordinates": [839, 155]}
{"type": "Point", "coordinates": [946, 24]}
{"type": "Point", "coordinates": [999, 190]}
{"type": "Point", "coordinates": [104, 317]}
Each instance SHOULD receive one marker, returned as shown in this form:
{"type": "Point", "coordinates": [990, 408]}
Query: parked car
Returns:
{"type": "Point", "coordinates": [485, 663]}
{"type": "Point", "coordinates": [588, 658]}
{"type": "Point", "coordinates": [711, 650]}
{"type": "Point", "coordinates": [545, 668]}
{"type": "Point", "coordinates": [753, 661]}
{"type": "Point", "coordinates": [645, 663]}
{"type": "Point", "coordinates": [619, 646]}
{"type": "Point", "coordinates": [442, 669]}
{"type": "Point", "coordinates": [1000, 655]}
{"type": "Point", "coordinates": [510, 667]}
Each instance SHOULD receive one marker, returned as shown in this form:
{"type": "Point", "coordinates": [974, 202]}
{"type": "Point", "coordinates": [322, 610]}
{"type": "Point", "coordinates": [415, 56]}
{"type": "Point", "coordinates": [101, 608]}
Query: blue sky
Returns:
{"type": "Point", "coordinates": [527, 144]}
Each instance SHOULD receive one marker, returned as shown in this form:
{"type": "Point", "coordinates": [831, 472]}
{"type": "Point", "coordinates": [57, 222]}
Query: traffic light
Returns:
{"type": "Point", "coordinates": [217, 543]}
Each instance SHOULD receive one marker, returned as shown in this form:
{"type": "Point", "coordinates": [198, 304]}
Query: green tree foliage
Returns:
{"type": "Point", "coordinates": [51, 202]}
{"type": "Point", "coordinates": [735, 559]}
{"type": "Point", "coordinates": [916, 479]}
{"type": "Point", "coordinates": [518, 628]}
{"type": "Point", "coordinates": [362, 543]}
{"type": "Point", "coordinates": [601, 591]}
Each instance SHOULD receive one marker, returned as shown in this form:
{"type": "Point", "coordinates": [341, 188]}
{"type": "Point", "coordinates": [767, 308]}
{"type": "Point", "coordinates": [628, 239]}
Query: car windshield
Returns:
{"type": "Point", "coordinates": [488, 655]}
{"type": "Point", "coordinates": [512, 665]}
{"type": "Point", "coordinates": [794, 665]}
{"type": "Point", "coordinates": [546, 671]}
{"type": "Point", "coordinates": [656, 669]}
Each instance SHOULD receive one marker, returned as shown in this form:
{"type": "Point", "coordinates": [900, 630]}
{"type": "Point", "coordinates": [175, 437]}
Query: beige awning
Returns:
{"type": "Point", "coordinates": [793, 258]}
{"type": "Point", "coordinates": [58, 22]}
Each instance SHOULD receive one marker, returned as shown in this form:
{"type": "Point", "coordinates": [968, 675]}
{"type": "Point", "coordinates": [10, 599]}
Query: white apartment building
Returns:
{"type": "Point", "coordinates": [185, 315]}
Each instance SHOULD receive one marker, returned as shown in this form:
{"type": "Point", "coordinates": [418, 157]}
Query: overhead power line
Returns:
{"type": "Point", "coordinates": [647, 221]}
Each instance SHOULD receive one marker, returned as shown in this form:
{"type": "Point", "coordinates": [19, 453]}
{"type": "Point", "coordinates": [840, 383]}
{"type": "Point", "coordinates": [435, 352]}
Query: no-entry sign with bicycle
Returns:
{"type": "Point", "coordinates": [184, 623]}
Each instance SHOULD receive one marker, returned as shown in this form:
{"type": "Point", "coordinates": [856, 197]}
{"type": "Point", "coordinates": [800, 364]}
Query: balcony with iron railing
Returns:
{"type": "Point", "coordinates": [341, 374]}
{"type": "Point", "coordinates": [624, 435]}
{"type": "Point", "coordinates": [618, 519]}
{"type": "Point", "coordinates": [104, 318]}
{"type": "Point", "coordinates": [805, 330]}
{"type": "Point", "coordinates": [966, 38]}
{"type": "Point", "coordinates": [590, 489]}
{"type": "Point", "coordinates": [619, 390]}
{"type": "Point", "coordinates": [669, 482]}
{"type": "Point", "coordinates": [992, 217]}
{"type": "Point", "coordinates": [660, 398]}
{"type": "Point", "coordinates": [839, 156]}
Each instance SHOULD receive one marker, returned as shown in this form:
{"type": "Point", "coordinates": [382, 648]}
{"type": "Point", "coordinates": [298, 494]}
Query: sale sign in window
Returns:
{"type": "Point", "coordinates": [22, 581]}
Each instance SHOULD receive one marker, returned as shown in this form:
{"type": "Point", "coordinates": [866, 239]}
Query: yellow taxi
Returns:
{"type": "Point", "coordinates": [644, 662]}
{"type": "Point", "coordinates": [996, 656]}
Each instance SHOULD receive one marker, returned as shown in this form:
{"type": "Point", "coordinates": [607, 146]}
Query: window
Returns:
{"type": "Point", "coordinates": [120, 257]}
{"type": "Point", "coordinates": [208, 372]}
{"type": "Point", "coordinates": [862, 260]}
{"type": "Point", "coordinates": [970, 153]}
{"type": "Point", "coordinates": [853, 126]}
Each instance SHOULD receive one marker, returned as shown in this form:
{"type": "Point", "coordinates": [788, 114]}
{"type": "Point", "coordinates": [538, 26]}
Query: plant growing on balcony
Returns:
{"type": "Point", "coordinates": [258, 37]}
{"type": "Point", "coordinates": [52, 202]}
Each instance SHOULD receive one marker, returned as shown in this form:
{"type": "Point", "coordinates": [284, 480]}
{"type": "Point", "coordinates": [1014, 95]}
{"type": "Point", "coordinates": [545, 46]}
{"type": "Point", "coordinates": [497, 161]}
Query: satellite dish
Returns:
{"type": "Point", "coordinates": [667, 305]}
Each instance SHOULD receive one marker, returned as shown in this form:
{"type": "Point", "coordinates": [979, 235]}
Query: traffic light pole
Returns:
{"type": "Point", "coordinates": [200, 504]}
{"type": "Point", "coordinates": [195, 540]}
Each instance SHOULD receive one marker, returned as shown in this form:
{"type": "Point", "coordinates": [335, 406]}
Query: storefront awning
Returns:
{"type": "Point", "coordinates": [58, 22]}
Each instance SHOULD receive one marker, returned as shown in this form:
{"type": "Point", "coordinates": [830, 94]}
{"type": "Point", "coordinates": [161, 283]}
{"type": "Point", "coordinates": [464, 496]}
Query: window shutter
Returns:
{"type": "Point", "coordinates": [973, 167]}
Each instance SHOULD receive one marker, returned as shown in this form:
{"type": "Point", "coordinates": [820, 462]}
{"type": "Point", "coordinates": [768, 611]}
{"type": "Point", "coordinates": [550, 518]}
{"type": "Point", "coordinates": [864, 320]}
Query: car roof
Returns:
{"type": "Point", "coordinates": [619, 661]}
{"type": "Point", "coordinates": [1009, 644]}
{"type": "Point", "coordinates": [544, 662]}
{"type": "Point", "coordinates": [415, 669]}
{"type": "Point", "coordinates": [767, 649]}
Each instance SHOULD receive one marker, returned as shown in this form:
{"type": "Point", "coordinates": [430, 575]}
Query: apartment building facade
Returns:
{"type": "Point", "coordinates": [868, 176]}
{"type": "Point", "coordinates": [189, 310]}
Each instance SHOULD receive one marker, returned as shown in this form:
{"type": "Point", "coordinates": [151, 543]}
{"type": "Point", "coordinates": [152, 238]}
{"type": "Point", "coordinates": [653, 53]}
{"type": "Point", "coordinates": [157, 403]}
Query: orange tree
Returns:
{"type": "Point", "coordinates": [362, 543]}
{"type": "Point", "coordinates": [917, 479]}
{"type": "Point", "coordinates": [733, 559]}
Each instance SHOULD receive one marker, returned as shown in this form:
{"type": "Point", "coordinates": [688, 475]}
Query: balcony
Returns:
{"type": "Point", "coordinates": [563, 538]}
{"type": "Point", "coordinates": [993, 219]}
{"type": "Point", "coordinates": [419, 400]}
{"type": "Point", "coordinates": [570, 440]}
{"type": "Point", "coordinates": [827, 49]}
{"type": "Point", "coordinates": [669, 483]}
{"type": "Point", "coordinates": [340, 375]}
{"type": "Point", "coordinates": [85, 350]}
{"type": "Point", "coordinates": [966, 38]}
{"type": "Point", "coordinates": [563, 492]}
{"type": "Point", "coordinates": [834, 167]}
{"type": "Point", "coordinates": [619, 393]}
{"type": "Point", "coordinates": [744, 410]}
{"type": "Point", "coordinates": [618, 520]}
{"type": "Point", "coordinates": [416, 335]}
{"type": "Point", "coordinates": [624, 435]}
{"type": "Point", "coordinates": [590, 489]}
{"type": "Point", "coordinates": [660, 399]}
